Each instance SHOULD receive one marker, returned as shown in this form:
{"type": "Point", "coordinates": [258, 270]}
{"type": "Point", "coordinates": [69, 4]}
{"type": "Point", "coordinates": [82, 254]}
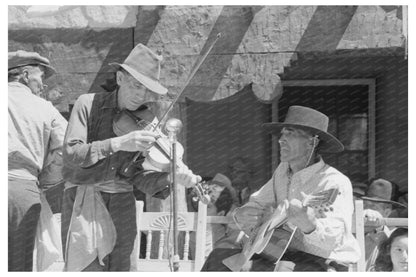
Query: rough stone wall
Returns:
{"type": "Point", "coordinates": [72, 17]}
{"type": "Point", "coordinates": [257, 42]}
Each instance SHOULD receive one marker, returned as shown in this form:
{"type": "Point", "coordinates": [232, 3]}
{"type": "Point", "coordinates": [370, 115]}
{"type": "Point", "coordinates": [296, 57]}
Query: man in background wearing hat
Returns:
{"type": "Point", "coordinates": [323, 239]}
{"type": "Point", "coordinates": [220, 194]}
{"type": "Point", "coordinates": [36, 133]}
{"type": "Point", "coordinates": [378, 204]}
{"type": "Point", "coordinates": [99, 212]}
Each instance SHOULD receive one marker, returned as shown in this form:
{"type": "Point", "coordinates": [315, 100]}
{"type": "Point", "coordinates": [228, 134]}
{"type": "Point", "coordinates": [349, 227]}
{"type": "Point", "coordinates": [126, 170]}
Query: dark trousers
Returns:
{"type": "Point", "coordinates": [122, 208]}
{"type": "Point", "coordinates": [291, 261]}
{"type": "Point", "coordinates": [24, 210]}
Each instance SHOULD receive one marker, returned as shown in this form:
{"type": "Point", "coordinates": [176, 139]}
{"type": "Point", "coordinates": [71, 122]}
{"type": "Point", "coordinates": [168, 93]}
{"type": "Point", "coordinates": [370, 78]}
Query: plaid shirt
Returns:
{"type": "Point", "coordinates": [88, 157]}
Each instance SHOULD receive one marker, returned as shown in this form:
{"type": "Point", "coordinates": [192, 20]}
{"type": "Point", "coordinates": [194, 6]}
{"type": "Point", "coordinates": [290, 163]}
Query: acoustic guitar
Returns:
{"type": "Point", "coordinates": [260, 236]}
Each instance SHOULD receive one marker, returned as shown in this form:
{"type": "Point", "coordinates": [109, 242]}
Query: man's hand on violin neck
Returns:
{"type": "Point", "coordinates": [134, 141]}
{"type": "Point", "coordinates": [186, 177]}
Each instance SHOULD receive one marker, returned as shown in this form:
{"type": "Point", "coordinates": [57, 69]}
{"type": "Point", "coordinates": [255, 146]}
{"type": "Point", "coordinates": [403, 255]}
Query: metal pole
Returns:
{"type": "Point", "coordinates": [175, 209]}
{"type": "Point", "coordinates": [173, 126]}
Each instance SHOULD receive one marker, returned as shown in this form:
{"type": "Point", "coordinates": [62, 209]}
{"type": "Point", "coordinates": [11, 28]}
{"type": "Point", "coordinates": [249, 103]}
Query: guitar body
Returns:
{"type": "Point", "coordinates": [258, 242]}
{"type": "Point", "coordinates": [259, 238]}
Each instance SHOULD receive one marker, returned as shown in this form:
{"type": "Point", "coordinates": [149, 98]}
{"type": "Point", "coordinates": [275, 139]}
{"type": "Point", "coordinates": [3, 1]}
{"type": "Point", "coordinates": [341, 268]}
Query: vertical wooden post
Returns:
{"type": "Point", "coordinates": [200, 239]}
{"type": "Point", "coordinates": [359, 233]}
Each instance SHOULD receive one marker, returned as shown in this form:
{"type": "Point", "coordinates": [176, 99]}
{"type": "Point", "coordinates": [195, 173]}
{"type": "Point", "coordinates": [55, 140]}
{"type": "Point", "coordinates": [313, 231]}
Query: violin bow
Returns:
{"type": "Point", "coordinates": [194, 70]}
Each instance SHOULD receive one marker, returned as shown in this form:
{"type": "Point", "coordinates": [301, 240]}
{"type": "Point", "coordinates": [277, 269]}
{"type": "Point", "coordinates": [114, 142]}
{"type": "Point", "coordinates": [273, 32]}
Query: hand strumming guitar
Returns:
{"type": "Point", "coordinates": [248, 217]}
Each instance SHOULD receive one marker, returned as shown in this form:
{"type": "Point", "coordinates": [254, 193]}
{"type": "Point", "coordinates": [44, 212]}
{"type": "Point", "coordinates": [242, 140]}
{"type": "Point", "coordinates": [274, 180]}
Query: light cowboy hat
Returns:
{"type": "Point", "coordinates": [310, 120]}
{"type": "Point", "coordinates": [22, 58]}
{"type": "Point", "coordinates": [144, 65]}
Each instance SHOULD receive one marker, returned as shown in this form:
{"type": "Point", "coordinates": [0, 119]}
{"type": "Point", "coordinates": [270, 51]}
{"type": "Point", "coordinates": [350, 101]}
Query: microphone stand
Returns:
{"type": "Point", "coordinates": [173, 125]}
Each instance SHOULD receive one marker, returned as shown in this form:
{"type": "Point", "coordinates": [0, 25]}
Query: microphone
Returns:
{"type": "Point", "coordinates": [173, 126]}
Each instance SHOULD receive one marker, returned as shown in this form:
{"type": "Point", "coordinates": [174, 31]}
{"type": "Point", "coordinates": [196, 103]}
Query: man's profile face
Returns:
{"type": "Point", "coordinates": [294, 144]}
{"type": "Point", "coordinates": [34, 79]}
{"type": "Point", "coordinates": [133, 94]}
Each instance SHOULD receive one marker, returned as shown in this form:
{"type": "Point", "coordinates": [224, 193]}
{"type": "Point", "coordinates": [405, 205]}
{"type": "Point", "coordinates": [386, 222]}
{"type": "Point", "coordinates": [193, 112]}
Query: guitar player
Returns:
{"type": "Point", "coordinates": [322, 239]}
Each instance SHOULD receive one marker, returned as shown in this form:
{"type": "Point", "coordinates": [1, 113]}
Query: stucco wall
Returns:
{"type": "Point", "coordinates": [257, 42]}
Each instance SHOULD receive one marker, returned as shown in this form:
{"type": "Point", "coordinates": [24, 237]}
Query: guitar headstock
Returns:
{"type": "Point", "coordinates": [321, 199]}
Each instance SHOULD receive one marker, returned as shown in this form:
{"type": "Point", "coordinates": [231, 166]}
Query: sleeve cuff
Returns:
{"type": "Point", "coordinates": [104, 149]}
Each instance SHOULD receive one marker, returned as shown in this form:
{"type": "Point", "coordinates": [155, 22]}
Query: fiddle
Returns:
{"type": "Point", "coordinates": [157, 157]}
{"type": "Point", "coordinates": [159, 154]}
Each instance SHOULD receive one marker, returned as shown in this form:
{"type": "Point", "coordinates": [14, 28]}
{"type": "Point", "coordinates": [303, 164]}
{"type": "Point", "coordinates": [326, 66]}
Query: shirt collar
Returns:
{"type": "Point", "coordinates": [305, 174]}
{"type": "Point", "coordinates": [111, 101]}
{"type": "Point", "coordinates": [20, 85]}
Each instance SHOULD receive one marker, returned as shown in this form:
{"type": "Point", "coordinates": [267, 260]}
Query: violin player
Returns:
{"type": "Point", "coordinates": [322, 238]}
{"type": "Point", "coordinates": [99, 213]}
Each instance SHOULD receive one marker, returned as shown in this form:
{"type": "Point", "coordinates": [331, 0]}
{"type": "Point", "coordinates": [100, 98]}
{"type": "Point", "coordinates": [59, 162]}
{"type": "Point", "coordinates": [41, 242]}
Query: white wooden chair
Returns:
{"type": "Point", "coordinates": [158, 222]}
{"type": "Point", "coordinates": [358, 229]}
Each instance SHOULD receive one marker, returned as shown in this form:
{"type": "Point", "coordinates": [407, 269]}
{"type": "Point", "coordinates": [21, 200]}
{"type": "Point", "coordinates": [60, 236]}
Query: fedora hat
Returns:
{"type": "Point", "coordinates": [21, 58]}
{"type": "Point", "coordinates": [144, 65]}
{"type": "Point", "coordinates": [221, 180]}
{"type": "Point", "coordinates": [380, 190]}
{"type": "Point", "coordinates": [310, 120]}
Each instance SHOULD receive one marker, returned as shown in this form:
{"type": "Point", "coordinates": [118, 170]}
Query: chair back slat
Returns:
{"type": "Point", "coordinates": [158, 226]}
{"type": "Point", "coordinates": [148, 244]}
{"type": "Point", "coordinates": [161, 244]}
{"type": "Point", "coordinates": [186, 247]}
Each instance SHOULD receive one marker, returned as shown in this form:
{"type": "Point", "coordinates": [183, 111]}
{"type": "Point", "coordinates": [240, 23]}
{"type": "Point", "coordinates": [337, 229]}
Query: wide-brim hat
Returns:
{"type": "Point", "coordinates": [144, 65]}
{"type": "Point", "coordinates": [380, 190]}
{"type": "Point", "coordinates": [310, 120]}
{"type": "Point", "coordinates": [23, 58]}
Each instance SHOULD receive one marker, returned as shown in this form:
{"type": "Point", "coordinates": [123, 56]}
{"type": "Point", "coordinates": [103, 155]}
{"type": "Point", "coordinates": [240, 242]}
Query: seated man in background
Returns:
{"type": "Point", "coordinates": [220, 204]}
{"type": "Point", "coordinates": [378, 204]}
